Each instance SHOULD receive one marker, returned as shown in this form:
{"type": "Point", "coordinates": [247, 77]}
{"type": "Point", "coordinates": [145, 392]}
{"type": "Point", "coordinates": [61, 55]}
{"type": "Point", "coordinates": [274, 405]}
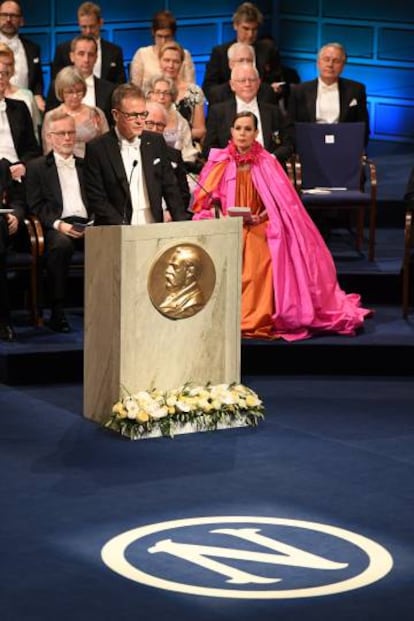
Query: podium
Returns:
{"type": "Point", "coordinates": [131, 342]}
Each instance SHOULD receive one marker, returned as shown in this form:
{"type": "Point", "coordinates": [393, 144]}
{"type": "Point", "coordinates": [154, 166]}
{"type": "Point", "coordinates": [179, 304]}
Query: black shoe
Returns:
{"type": "Point", "coordinates": [59, 323]}
{"type": "Point", "coordinates": [6, 332]}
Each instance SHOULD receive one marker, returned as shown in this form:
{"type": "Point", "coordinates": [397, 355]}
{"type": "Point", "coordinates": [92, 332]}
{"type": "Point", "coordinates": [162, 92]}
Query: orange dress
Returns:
{"type": "Point", "coordinates": [257, 282]}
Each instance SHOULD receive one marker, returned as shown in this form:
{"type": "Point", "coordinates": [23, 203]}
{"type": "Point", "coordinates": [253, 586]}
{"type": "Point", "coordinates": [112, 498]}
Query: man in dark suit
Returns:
{"type": "Point", "coordinates": [83, 56]}
{"type": "Point", "coordinates": [329, 98]}
{"type": "Point", "coordinates": [12, 197]}
{"type": "Point", "coordinates": [239, 53]}
{"type": "Point", "coordinates": [128, 171]}
{"type": "Point", "coordinates": [28, 68]}
{"type": "Point", "coordinates": [275, 129]}
{"type": "Point", "coordinates": [156, 121]}
{"type": "Point", "coordinates": [109, 64]}
{"type": "Point", "coordinates": [56, 195]}
{"type": "Point", "coordinates": [246, 22]}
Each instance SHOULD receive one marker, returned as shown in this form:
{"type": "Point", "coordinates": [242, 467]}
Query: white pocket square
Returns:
{"type": "Point", "coordinates": [174, 164]}
{"type": "Point", "coordinates": [156, 161]}
{"type": "Point", "coordinates": [112, 64]}
{"type": "Point", "coordinates": [353, 103]}
{"type": "Point", "coordinates": [36, 60]}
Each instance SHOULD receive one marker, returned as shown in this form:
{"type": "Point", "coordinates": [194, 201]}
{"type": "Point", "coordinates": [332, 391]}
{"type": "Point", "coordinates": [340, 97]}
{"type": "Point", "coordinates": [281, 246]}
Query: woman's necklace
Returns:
{"type": "Point", "coordinates": [72, 112]}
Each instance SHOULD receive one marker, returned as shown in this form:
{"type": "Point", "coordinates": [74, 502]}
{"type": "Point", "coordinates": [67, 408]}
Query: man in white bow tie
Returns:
{"type": "Point", "coordinates": [329, 98]}
{"type": "Point", "coordinates": [128, 170]}
{"type": "Point", "coordinates": [56, 195]}
{"type": "Point", "coordinates": [275, 129]}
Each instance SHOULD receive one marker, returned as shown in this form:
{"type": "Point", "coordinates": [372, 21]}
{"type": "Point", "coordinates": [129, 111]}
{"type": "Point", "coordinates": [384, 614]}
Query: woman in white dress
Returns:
{"type": "Point", "coordinates": [145, 62]}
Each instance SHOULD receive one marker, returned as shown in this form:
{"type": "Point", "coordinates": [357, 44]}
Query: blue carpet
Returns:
{"type": "Point", "coordinates": [337, 452]}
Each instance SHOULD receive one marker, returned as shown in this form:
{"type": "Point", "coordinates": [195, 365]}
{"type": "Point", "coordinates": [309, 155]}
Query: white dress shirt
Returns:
{"type": "Point", "coordinates": [327, 103]}
{"type": "Point", "coordinates": [131, 157]}
{"type": "Point", "coordinates": [97, 68]}
{"type": "Point", "coordinates": [73, 204]}
{"type": "Point", "coordinates": [90, 96]}
{"type": "Point", "coordinates": [7, 148]}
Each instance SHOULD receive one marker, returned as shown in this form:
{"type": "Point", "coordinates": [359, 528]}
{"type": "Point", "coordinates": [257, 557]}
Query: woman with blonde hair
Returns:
{"type": "Point", "coordinates": [90, 121]}
{"type": "Point", "coordinates": [17, 92]}
{"type": "Point", "coordinates": [190, 98]}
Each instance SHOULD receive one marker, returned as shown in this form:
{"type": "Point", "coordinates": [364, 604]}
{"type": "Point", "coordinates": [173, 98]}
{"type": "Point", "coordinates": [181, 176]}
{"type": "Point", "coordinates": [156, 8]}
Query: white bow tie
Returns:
{"type": "Point", "coordinates": [135, 143]}
{"type": "Point", "coordinates": [3, 106]}
{"type": "Point", "coordinates": [69, 163]}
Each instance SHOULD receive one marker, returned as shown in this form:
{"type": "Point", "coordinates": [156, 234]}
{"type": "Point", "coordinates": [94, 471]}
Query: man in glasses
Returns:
{"type": "Point", "coordinates": [28, 68]}
{"type": "Point", "coordinates": [275, 129]}
{"type": "Point", "coordinates": [128, 171]}
{"type": "Point", "coordinates": [109, 63]}
{"type": "Point", "coordinates": [56, 195]}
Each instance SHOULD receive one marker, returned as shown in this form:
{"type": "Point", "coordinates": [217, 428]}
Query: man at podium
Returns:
{"type": "Point", "coordinates": [128, 171]}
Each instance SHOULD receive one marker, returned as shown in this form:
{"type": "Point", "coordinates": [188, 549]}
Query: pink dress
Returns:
{"type": "Point", "coordinates": [307, 299]}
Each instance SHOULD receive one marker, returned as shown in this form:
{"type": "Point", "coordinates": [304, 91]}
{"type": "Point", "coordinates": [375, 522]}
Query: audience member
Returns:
{"type": "Point", "coordinates": [98, 91]}
{"type": "Point", "coordinates": [177, 133]}
{"type": "Point", "coordinates": [12, 197]}
{"type": "Point", "coordinates": [237, 54]}
{"type": "Point", "coordinates": [145, 62]}
{"type": "Point", "coordinates": [329, 98]}
{"type": "Point", "coordinates": [18, 143]}
{"type": "Point", "coordinates": [156, 121]}
{"type": "Point", "coordinates": [289, 284]}
{"type": "Point", "coordinates": [189, 99]}
{"type": "Point", "coordinates": [275, 132]}
{"type": "Point", "coordinates": [109, 63]}
{"type": "Point", "coordinates": [17, 92]}
{"type": "Point", "coordinates": [246, 22]}
{"type": "Point", "coordinates": [90, 121]}
{"type": "Point", "coordinates": [56, 195]}
{"type": "Point", "coordinates": [28, 68]}
{"type": "Point", "coordinates": [128, 171]}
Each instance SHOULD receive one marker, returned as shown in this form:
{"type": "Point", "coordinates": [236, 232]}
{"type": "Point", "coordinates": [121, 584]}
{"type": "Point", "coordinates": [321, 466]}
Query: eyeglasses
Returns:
{"type": "Point", "coordinates": [133, 116]}
{"type": "Point", "coordinates": [10, 15]}
{"type": "Point", "coordinates": [5, 74]}
{"type": "Point", "coordinates": [159, 93]}
{"type": "Point", "coordinates": [246, 80]}
{"type": "Point", "coordinates": [70, 91]}
{"type": "Point", "coordinates": [163, 37]}
{"type": "Point", "coordinates": [61, 134]}
{"type": "Point", "coordinates": [152, 124]}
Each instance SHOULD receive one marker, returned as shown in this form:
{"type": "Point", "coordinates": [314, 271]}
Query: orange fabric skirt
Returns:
{"type": "Point", "coordinates": [257, 282]}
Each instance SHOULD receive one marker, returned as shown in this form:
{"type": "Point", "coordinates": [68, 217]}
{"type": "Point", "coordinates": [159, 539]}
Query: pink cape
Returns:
{"type": "Point", "coordinates": [308, 299]}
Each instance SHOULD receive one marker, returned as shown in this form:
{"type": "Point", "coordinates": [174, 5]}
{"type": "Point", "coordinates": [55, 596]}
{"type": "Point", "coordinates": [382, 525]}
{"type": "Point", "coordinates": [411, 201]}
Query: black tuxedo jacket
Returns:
{"type": "Point", "coordinates": [177, 164]}
{"type": "Point", "coordinates": [352, 102]}
{"type": "Point", "coordinates": [44, 194]}
{"type": "Point", "coordinates": [107, 182]}
{"type": "Point", "coordinates": [218, 71]}
{"type": "Point", "coordinates": [277, 128]}
{"type": "Point", "coordinates": [103, 95]}
{"type": "Point", "coordinates": [112, 69]}
{"type": "Point", "coordinates": [32, 51]}
{"type": "Point", "coordinates": [21, 127]}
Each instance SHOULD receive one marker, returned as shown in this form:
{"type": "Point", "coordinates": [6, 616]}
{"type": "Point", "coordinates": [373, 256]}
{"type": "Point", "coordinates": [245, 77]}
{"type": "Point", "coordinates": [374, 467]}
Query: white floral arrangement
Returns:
{"type": "Point", "coordinates": [205, 408]}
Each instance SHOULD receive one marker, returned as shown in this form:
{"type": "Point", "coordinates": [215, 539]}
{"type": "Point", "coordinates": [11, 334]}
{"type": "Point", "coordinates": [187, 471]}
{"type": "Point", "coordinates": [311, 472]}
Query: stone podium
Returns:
{"type": "Point", "coordinates": [130, 342]}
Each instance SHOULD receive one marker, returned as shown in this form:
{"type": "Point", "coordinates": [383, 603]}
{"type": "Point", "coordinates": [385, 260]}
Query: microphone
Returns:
{"type": "Point", "coordinates": [124, 217]}
{"type": "Point", "coordinates": [216, 203]}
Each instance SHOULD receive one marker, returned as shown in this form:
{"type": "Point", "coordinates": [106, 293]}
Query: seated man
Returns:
{"type": "Point", "coordinates": [246, 22]}
{"type": "Point", "coordinates": [109, 63]}
{"type": "Point", "coordinates": [329, 98]}
{"type": "Point", "coordinates": [56, 195]}
{"type": "Point", "coordinates": [239, 53]}
{"type": "Point", "coordinates": [275, 130]}
{"type": "Point", "coordinates": [12, 197]}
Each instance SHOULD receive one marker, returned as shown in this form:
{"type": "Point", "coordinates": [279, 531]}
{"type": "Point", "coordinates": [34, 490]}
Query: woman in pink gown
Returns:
{"type": "Point", "coordinates": [289, 283]}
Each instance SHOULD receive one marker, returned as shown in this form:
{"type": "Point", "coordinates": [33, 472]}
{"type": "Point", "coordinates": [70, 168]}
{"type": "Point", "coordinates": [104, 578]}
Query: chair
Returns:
{"type": "Point", "coordinates": [22, 258]}
{"type": "Point", "coordinates": [408, 254]}
{"type": "Point", "coordinates": [333, 173]}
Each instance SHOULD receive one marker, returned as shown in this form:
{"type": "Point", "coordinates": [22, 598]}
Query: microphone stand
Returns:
{"type": "Point", "coordinates": [124, 217]}
{"type": "Point", "coordinates": [215, 202]}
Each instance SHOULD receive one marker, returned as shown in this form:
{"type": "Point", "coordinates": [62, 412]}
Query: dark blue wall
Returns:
{"type": "Point", "coordinates": [378, 35]}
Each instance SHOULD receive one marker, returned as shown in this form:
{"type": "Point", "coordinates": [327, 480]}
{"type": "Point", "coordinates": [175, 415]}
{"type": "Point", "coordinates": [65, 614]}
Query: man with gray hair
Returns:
{"type": "Point", "coordinates": [329, 98]}
{"type": "Point", "coordinates": [275, 130]}
{"type": "Point", "coordinates": [237, 54]}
